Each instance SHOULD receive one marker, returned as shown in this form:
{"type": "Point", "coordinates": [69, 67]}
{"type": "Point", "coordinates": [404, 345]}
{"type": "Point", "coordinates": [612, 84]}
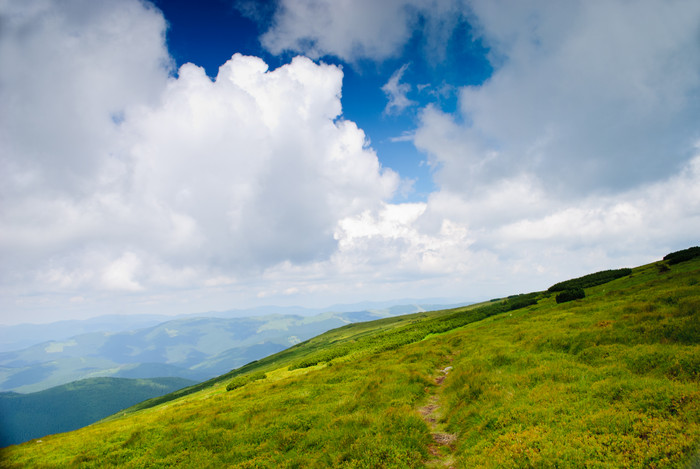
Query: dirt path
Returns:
{"type": "Point", "coordinates": [443, 446]}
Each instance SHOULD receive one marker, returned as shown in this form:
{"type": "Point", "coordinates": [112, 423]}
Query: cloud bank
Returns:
{"type": "Point", "coordinates": [585, 96]}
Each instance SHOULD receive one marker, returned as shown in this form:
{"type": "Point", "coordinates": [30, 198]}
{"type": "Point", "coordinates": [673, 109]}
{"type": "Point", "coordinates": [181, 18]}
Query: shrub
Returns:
{"type": "Point", "coordinates": [683, 255]}
{"type": "Point", "coordinates": [521, 301]}
{"type": "Point", "coordinates": [325, 355]}
{"type": "Point", "coordinates": [590, 280]}
{"type": "Point", "coordinates": [570, 295]}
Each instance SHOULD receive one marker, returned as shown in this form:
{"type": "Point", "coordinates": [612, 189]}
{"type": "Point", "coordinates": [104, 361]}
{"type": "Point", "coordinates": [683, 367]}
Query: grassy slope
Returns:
{"type": "Point", "coordinates": [610, 380]}
{"type": "Point", "coordinates": [363, 331]}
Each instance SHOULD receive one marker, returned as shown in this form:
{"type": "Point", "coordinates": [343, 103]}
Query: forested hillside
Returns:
{"type": "Point", "coordinates": [74, 405]}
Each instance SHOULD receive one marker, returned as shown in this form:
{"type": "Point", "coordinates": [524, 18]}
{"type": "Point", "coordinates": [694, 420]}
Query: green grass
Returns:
{"type": "Point", "coordinates": [611, 380]}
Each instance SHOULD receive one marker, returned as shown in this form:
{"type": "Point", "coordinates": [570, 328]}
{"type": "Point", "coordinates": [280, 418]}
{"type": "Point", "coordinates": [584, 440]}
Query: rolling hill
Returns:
{"type": "Point", "coordinates": [22, 336]}
{"type": "Point", "coordinates": [609, 379]}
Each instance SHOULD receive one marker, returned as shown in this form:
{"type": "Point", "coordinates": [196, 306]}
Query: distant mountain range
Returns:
{"type": "Point", "coordinates": [71, 406]}
{"type": "Point", "coordinates": [20, 336]}
{"type": "Point", "coordinates": [194, 347]}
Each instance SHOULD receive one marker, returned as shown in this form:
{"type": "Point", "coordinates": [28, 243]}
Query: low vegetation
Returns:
{"type": "Point", "coordinates": [683, 255]}
{"type": "Point", "coordinates": [570, 295]}
{"type": "Point", "coordinates": [590, 280]}
{"type": "Point", "coordinates": [242, 380]}
{"type": "Point", "coordinates": [609, 380]}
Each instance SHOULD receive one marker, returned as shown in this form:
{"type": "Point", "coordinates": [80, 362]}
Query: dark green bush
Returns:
{"type": "Point", "coordinates": [521, 301]}
{"type": "Point", "coordinates": [590, 280]}
{"type": "Point", "coordinates": [570, 295]}
{"type": "Point", "coordinates": [322, 356]}
{"type": "Point", "coordinates": [683, 255]}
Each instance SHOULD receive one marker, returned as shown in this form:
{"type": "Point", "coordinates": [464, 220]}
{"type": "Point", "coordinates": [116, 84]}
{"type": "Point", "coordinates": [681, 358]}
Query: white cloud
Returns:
{"type": "Point", "coordinates": [349, 29]}
{"type": "Point", "coordinates": [119, 275]}
{"type": "Point", "coordinates": [392, 240]}
{"type": "Point", "coordinates": [396, 93]}
{"type": "Point", "coordinates": [255, 163]}
{"type": "Point", "coordinates": [361, 29]}
{"type": "Point", "coordinates": [586, 95]}
{"type": "Point", "coordinates": [511, 237]}
{"type": "Point", "coordinates": [244, 172]}
{"type": "Point", "coordinates": [67, 67]}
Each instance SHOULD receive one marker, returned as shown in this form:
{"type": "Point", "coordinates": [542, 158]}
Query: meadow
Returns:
{"type": "Point", "coordinates": [608, 380]}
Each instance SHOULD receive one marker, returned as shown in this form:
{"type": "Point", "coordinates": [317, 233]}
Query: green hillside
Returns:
{"type": "Point", "coordinates": [607, 380]}
{"type": "Point", "coordinates": [74, 405]}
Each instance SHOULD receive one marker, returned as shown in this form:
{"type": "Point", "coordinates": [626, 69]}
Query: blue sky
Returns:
{"type": "Point", "coordinates": [179, 157]}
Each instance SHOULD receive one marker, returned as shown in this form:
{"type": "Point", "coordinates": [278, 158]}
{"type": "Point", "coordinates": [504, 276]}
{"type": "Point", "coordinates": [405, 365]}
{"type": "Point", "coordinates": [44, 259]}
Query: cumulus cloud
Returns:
{"type": "Point", "coordinates": [243, 172]}
{"type": "Point", "coordinates": [581, 145]}
{"type": "Point", "coordinates": [256, 162]}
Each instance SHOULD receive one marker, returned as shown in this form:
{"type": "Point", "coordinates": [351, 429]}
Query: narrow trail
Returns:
{"type": "Point", "coordinates": [443, 446]}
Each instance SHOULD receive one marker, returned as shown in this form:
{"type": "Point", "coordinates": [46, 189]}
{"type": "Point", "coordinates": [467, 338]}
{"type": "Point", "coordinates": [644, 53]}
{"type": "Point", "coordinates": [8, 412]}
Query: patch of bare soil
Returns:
{"type": "Point", "coordinates": [425, 411]}
{"type": "Point", "coordinates": [444, 439]}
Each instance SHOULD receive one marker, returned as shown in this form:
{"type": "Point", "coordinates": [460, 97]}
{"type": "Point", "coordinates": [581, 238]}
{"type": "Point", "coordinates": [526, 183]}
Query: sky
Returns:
{"type": "Point", "coordinates": [175, 157]}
